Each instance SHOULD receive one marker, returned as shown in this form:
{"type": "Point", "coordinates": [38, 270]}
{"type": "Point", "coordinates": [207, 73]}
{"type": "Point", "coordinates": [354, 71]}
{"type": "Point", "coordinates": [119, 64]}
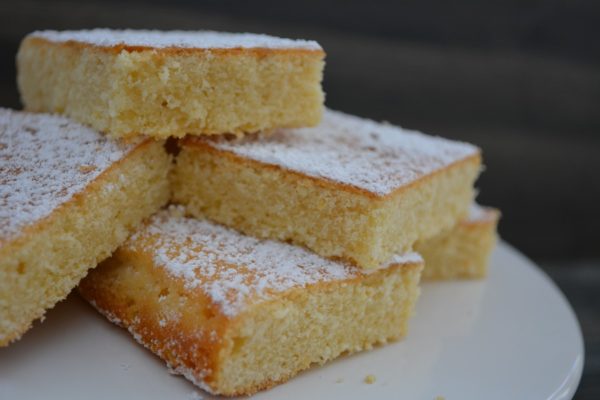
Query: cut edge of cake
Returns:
{"type": "Point", "coordinates": [306, 324]}
{"type": "Point", "coordinates": [244, 186]}
{"type": "Point", "coordinates": [172, 89]}
{"type": "Point", "coordinates": [43, 257]}
{"type": "Point", "coordinates": [462, 252]}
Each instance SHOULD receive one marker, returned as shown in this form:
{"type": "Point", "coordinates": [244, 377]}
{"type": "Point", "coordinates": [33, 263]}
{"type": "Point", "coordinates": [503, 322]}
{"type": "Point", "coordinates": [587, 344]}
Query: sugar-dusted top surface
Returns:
{"type": "Point", "coordinates": [230, 268]}
{"type": "Point", "coordinates": [181, 39]}
{"type": "Point", "coordinates": [44, 161]}
{"type": "Point", "coordinates": [375, 157]}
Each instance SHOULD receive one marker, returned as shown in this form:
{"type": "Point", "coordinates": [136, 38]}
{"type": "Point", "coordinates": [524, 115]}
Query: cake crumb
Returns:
{"type": "Point", "coordinates": [370, 379]}
{"type": "Point", "coordinates": [440, 398]}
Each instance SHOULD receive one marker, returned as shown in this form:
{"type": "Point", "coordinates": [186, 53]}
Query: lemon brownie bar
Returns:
{"type": "Point", "coordinates": [350, 188]}
{"type": "Point", "coordinates": [464, 250]}
{"type": "Point", "coordinates": [68, 198]}
{"type": "Point", "coordinates": [127, 82]}
{"type": "Point", "coordinates": [235, 314]}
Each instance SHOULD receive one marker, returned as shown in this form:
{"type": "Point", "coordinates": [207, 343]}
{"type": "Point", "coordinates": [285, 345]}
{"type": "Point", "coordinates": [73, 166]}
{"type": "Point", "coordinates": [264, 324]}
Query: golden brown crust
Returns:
{"type": "Point", "coordinates": [143, 319]}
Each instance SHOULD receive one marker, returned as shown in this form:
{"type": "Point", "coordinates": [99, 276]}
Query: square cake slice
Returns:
{"type": "Point", "coordinates": [172, 83]}
{"type": "Point", "coordinates": [68, 198]}
{"type": "Point", "coordinates": [236, 314]}
{"type": "Point", "coordinates": [350, 188]}
{"type": "Point", "coordinates": [464, 250]}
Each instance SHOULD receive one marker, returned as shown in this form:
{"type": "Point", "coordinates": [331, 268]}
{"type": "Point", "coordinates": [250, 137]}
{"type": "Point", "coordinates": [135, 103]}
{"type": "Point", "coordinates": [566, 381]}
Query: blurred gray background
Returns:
{"type": "Point", "coordinates": [519, 78]}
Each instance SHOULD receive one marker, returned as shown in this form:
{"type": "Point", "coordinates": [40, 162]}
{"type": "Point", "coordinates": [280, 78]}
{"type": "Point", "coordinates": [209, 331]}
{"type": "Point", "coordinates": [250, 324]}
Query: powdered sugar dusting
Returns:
{"type": "Point", "coordinates": [407, 258]}
{"type": "Point", "coordinates": [376, 157]}
{"type": "Point", "coordinates": [181, 39]}
{"type": "Point", "coordinates": [44, 161]}
{"type": "Point", "coordinates": [479, 213]}
{"type": "Point", "coordinates": [230, 268]}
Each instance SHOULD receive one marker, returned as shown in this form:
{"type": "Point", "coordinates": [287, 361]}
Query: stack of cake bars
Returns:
{"type": "Point", "coordinates": [268, 235]}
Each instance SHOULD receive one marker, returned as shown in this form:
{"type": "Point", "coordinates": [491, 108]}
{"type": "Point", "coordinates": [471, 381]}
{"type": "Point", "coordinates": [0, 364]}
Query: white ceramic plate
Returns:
{"type": "Point", "coordinates": [510, 336]}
